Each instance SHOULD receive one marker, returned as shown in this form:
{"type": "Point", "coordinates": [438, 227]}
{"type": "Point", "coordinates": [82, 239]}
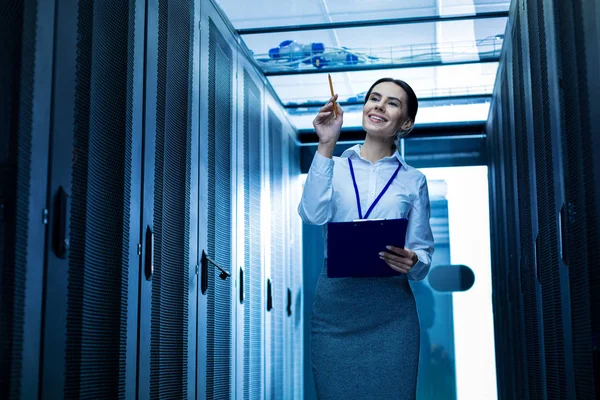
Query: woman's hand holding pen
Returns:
{"type": "Point", "coordinates": [399, 259]}
{"type": "Point", "coordinates": [328, 127]}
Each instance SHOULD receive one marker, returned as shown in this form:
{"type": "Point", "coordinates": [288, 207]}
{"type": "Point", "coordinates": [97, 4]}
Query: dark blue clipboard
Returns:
{"type": "Point", "coordinates": [353, 247]}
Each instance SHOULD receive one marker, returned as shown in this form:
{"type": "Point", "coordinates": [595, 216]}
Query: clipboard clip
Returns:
{"type": "Point", "coordinates": [357, 221]}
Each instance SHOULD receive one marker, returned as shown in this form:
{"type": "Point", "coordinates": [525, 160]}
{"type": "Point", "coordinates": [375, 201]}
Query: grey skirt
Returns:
{"type": "Point", "coordinates": [365, 338]}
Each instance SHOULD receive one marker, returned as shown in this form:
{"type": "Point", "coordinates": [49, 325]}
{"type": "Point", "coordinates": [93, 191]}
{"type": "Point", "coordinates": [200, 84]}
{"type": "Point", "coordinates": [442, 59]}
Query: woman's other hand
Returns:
{"type": "Point", "coordinates": [399, 259]}
{"type": "Point", "coordinates": [328, 127]}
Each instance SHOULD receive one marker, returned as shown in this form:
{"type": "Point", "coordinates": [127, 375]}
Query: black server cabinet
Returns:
{"type": "Point", "coordinates": [295, 303]}
{"type": "Point", "coordinates": [294, 339]}
{"type": "Point", "coordinates": [119, 176]}
{"type": "Point", "coordinates": [252, 295]}
{"type": "Point", "coordinates": [25, 98]}
{"type": "Point", "coordinates": [545, 96]}
{"type": "Point", "coordinates": [503, 205]}
{"type": "Point", "coordinates": [168, 231]}
{"type": "Point", "coordinates": [214, 345]}
{"type": "Point", "coordinates": [549, 270]}
{"type": "Point", "coordinates": [511, 188]}
{"type": "Point", "coordinates": [498, 305]}
{"type": "Point", "coordinates": [497, 237]}
{"type": "Point", "coordinates": [278, 266]}
{"type": "Point", "coordinates": [576, 40]}
{"type": "Point", "coordinates": [91, 280]}
{"type": "Point", "coordinates": [529, 284]}
{"type": "Point", "coordinates": [119, 259]}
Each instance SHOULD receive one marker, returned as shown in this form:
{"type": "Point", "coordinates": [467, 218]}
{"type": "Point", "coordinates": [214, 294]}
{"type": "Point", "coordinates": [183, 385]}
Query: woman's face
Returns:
{"type": "Point", "coordinates": [385, 113]}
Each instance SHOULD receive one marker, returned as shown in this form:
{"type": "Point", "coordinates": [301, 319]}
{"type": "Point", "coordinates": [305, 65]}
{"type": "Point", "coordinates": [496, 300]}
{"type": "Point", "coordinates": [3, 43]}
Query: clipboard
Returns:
{"type": "Point", "coordinates": [353, 247]}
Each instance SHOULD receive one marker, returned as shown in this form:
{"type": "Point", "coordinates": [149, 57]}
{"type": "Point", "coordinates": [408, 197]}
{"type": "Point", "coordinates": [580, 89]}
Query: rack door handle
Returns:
{"type": "Point", "coordinates": [241, 283]}
{"type": "Point", "coordinates": [289, 302]}
{"type": "Point", "coordinates": [60, 241]}
{"type": "Point", "coordinates": [563, 232]}
{"type": "Point", "coordinates": [536, 259]}
{"type": "Point", "coordinates": [204, 280]}
{"type": "Point", "coordinates": [269, 295]}
{"type": "Point", "coordinates": [149, 262]}
{"type": "Point", "coordinates": [521, 268]}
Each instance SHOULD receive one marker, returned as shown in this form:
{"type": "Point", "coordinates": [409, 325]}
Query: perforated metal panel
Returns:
{"type": "Point", "coordinates": [98, 261]}
{"type": "Point", "coordinates": [218, 369]}
{"type": "Point", "coordinates": [501, 267]}
{"type": "Point", "coordinates": [168, 357]}
{"type": "Point", "coordinates": [543, 357]}
{"type": "Point", "coordinates": [515, 305]}
{"type": "Point", "coordinates": [277, 256]}
{"type": "Point", "coordinates": [16, 104]}
{"type": "Point", "coordinates": [546, 250]}
{"type": "Point", "coordinates": [253, 321]}
{"type": "Point", "coordinates": [581, 232]}
{"type": "Point", "coordinates": [528, 278]}
{"type": "Point", "coordinates": [500, 337]}
{"type": "Point", "coordinates": [296, 275]}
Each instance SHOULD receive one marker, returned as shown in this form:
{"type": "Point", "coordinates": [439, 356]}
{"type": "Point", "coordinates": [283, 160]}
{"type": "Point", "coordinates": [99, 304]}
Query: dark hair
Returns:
{"type": "Point", "coordinates": [412, 104]}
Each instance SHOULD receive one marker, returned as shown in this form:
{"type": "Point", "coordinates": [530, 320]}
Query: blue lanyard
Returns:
{"type": "Point", "coordinates": [378, 197]}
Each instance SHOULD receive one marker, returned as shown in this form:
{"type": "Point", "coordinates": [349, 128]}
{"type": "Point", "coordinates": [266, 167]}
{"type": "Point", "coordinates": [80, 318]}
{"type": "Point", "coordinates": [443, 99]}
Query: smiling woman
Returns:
{"type": "Point", "coordinates": [365, 331]}
{"type": "Point", "coordinates": [374, 99]}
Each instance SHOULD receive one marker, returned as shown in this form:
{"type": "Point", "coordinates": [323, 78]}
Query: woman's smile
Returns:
{"type": "Point", "coordinates": [377, 119]}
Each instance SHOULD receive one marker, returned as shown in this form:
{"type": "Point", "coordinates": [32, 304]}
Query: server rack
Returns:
{"type": "Point", "coordinates": [135, 164]}
{"type": "Point", "coordinates": [544, 202]}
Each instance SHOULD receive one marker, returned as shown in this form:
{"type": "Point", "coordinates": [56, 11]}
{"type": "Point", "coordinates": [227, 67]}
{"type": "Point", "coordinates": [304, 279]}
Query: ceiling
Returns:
{"type": "Point", "coordinates": [447, 50]}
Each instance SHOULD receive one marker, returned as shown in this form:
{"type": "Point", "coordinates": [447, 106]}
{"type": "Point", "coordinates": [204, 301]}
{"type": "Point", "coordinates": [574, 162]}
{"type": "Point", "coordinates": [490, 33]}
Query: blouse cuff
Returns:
{"type": "Point", "coordinates": [418, 272]}
{"type": "Point", "coordinates": [322, 165]}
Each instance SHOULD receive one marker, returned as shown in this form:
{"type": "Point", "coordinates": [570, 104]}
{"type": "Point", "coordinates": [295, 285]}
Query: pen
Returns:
{"type": "Point", "coordinates": [332, 95]}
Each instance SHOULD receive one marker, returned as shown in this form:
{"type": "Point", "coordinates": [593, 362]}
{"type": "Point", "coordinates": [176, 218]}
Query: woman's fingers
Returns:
{"type": "Point", "coordinates": [327, 124]}
{"type": "Point", "coordinates": [398, 250]}
{"type": "Point", "coordinates": [328, 106]}
{"type": "Point", "coordinates": [411, 256]}
{"type": "Point", "coordinates": [323, 116]}
{"type": "Point", "coordinates": [327, 110]}
{"type": "Point", "coordinates": [396, 268]}
{"type": "Point", "coordinates": [394, 260]}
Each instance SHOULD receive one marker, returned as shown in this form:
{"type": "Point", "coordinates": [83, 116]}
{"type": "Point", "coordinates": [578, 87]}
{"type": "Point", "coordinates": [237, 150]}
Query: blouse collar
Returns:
{"type": "Point", "coordinates": [354, 152]}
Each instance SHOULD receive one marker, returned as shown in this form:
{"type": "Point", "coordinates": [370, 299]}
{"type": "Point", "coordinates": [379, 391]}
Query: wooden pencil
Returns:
{"type": "Point", "coordinates": [332, 95]}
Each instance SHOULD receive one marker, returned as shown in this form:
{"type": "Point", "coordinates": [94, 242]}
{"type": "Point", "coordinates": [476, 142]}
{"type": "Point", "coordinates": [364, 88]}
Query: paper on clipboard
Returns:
{"type": "Point", "coordinates": [353, 247]}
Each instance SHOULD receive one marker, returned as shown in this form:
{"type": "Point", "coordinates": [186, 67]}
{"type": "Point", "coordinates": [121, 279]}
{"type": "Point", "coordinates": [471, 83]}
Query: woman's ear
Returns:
{"type": "Point", "coordinates": [408, 125]}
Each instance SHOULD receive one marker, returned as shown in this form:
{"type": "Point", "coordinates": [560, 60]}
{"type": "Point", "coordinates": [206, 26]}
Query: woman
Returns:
{"type": "Point", "coordinates": [365, 331]}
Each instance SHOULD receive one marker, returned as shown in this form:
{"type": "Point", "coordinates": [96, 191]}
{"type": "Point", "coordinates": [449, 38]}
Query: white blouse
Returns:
{"type": "Point", "coordinates": [329, 196]}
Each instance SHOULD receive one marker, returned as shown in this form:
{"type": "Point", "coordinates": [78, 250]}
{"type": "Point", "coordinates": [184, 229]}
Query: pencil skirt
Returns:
{"type": "Point", "coordinates": [364, 338]}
